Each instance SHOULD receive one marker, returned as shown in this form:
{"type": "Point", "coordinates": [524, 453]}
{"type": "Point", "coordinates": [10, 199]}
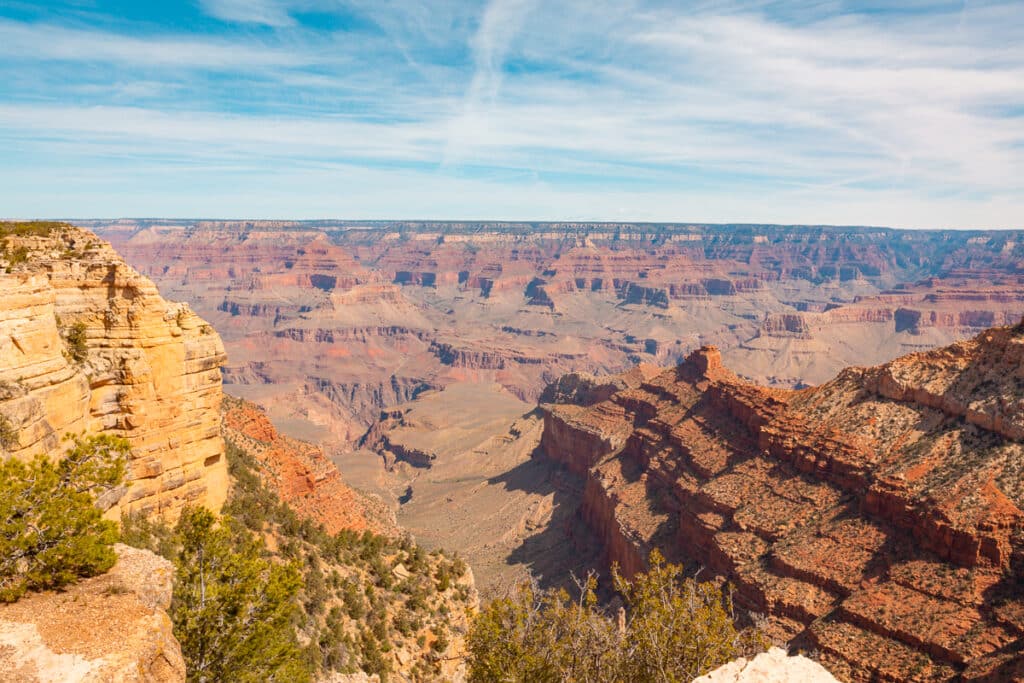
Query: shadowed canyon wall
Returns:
{"type": "Point", "coordinates": [876, 518]}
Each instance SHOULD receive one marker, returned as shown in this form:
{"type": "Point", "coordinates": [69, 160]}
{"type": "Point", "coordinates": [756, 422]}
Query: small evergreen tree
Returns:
{"type": "Point", "coordinates": [677, 629]}
{"type": "Point", "coordinates": [232, 607]}
{"type": "Point", "coordinates": [77, 340]}
{"type": "Point", "coordinates": [51, 532]}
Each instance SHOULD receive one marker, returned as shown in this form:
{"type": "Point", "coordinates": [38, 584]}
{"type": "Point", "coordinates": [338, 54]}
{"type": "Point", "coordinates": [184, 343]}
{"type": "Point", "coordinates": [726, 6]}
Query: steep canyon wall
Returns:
{"type": "Point", "coordinates": [87, 345]}
{"type": "Point", "coordinates": [876, 518]}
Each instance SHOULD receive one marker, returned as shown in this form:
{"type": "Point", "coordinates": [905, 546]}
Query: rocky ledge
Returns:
{"type": "Point", "coordinates": [112, 628]}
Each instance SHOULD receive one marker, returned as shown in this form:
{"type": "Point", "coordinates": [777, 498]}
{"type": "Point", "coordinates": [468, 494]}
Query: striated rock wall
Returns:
{"type": "Point", "coordinates": [876, 518]}
{"type": "Point", "coordinates": [309, 310]}
{"type": "Point", "coordinates": [110, 628]}
{"type": "Point", "coordinates": [88, 345]}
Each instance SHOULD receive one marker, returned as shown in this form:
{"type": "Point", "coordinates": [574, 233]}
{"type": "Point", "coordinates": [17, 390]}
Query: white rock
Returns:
{"type": "Point", "coordinates": [773, 666]}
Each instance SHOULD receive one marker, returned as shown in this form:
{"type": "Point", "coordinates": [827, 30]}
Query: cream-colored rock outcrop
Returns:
{"type": "Point", "coordinates": [147, 369]}
{"type": "Point", "coordinates": [112, 628]}
{"type": "Point", "coordinates": [774, 666]}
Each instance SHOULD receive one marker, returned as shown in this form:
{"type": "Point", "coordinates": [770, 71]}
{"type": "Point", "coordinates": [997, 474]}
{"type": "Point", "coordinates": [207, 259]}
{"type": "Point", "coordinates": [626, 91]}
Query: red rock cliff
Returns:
{"type": "Point", "coordinates": [876, 518]}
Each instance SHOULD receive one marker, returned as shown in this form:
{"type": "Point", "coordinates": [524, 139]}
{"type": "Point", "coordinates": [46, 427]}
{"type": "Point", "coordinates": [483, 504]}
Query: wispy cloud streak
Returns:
{"type": "Point", "coordinates": [793, 110]}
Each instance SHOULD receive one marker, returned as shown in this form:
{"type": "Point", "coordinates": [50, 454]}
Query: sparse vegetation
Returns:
{"type": "Point", "coordinates": [51, 532]}
{"type": "Point", "coordinates": [77, 342]}
{"type": "Point", "coordinates": [672, 629]}
{"type": "Point", "coordinates": [11, 232]}
{"type": "Point", "coordinates": [30, 228]}
{"type": "Point", "coordinates": [350, 610]}
{"type": "Point", "coordinates": [14, 256]}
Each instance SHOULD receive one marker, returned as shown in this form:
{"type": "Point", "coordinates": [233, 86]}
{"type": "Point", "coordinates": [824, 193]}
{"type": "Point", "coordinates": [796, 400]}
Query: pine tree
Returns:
{"type": "Point", "coordinates": [51, 532]}
{"type": "Point", "coordinates": [232, 607]}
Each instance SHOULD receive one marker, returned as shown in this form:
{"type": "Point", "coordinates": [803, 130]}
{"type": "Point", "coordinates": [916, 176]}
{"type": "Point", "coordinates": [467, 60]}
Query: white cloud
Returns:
{"type": "Point", "coordinates": [49, 42]}
{"type": "Point", "coordinates": [266, 12]}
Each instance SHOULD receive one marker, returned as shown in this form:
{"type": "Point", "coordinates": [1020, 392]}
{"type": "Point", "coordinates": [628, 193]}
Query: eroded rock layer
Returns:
{"type": "Point", "coordinates": [87, 345]}
{"type": "Point", "coordinates": [302, 476]}
{"type": "Point", "coordinates": [876, 518]}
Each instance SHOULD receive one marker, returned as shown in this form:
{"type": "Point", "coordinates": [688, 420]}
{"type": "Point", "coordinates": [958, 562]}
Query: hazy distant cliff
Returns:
{"type": "Point", "coordinates": [88, 345]}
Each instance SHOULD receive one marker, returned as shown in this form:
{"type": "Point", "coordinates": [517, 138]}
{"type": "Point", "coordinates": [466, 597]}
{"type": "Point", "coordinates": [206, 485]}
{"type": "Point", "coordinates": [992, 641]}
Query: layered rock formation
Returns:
{"type": "Point", "coordinates": [327, 323]}
{"type": "Point", "coordinates": [876, 518]}
{"type": "Point", "coordinates": [107, 629]}
{"type": "Point", "coordinates": [87, 345]}
{"type": "Point", "coordinates": [582, 389]}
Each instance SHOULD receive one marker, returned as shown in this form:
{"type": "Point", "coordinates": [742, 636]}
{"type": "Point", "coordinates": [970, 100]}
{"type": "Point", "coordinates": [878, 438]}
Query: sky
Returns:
{"type": "Point", "coordinates": [904, 114]}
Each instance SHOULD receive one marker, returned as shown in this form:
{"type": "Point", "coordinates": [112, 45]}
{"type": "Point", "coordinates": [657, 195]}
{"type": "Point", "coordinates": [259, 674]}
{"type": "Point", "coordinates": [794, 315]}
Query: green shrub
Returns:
{"type": "Point", "coordinates": [677, 629]}
{"type": "Point", "coordinates": [441, 643]}
{"type": "Point", "coordinates": [51, 532]}
{"type": "Point", "coordinates": [77, 339]}
{"type": "Point", "coordinates": [15, 256]}
{"type": "Point", "coordinates": [373, 659]}
{"type": "Point", "coordinates": [156, 535]}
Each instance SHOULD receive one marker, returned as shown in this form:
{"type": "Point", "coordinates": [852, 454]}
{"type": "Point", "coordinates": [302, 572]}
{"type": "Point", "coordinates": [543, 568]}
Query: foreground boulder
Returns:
{"type": "Point", "coordinates": [112, 628]}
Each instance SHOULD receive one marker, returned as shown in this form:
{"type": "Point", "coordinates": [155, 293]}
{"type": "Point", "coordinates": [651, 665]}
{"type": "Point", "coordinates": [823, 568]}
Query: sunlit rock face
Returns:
{"type": "Point", "coordinates": [773, 666]}
{"type": "Point", "coordinates": [88, 346]}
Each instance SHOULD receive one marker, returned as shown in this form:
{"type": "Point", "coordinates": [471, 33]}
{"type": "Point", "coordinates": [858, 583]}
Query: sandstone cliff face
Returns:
{"type": "Point", "coordinates": [112, 628]}
{"type": "Point", "coordinates": [88, 345]}
{"type": "Point", "coordinates": [876, 518]}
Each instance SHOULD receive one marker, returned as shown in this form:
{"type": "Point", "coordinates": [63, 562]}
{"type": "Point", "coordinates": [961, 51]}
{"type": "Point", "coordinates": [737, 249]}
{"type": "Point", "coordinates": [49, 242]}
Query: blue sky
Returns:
{"type": "Point", "coordinates": [906, 114]}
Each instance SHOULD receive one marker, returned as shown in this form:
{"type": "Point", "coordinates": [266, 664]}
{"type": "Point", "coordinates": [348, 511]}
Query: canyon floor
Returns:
{"type": "Point", "coordinates": [458, 466]}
